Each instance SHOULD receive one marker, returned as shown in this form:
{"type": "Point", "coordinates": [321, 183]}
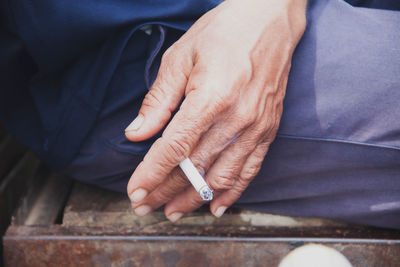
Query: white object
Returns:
{"type": "Point", "coordinates": [314, 255]}
{"type": "Point", "coordinates": [196, 179]}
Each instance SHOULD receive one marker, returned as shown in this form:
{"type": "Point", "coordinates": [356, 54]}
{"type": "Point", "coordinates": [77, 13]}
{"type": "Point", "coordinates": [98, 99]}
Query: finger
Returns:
{"type": "Point", "coordinates": [194, 118]}
{"type": "Point", "coordinates": [187, 201]}
{"type": "Point", "coordinates": [175, 183]}
{"type": "Point", "coordinates": [163, 97]}
{"type": "Point", "coordinates": [250, 169]}
{"type": "Point", "coordinates": [226, 170]}
{"type": "Point", "coordinates": [221, 176]}
{"type": "Point", "coordinates": [202, 157]}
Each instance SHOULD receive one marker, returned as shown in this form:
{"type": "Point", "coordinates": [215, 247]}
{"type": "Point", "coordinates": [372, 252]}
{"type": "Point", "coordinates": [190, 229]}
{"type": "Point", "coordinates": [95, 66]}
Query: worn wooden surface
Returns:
{"type": "Point", "coordinates": [99, 230]}
{"type": "Point", "coordinates": [48, 206]}
{"type": "Point", "coordinates": [62, 224]}
{"type": "Point", "coordinates": [94, 207]}
{"type": "Point", "coordinates": [14, 185]}
{"type": "Point", "coordinates": [89, 206]}
{"type": "Point", "coordinates": [16, 168]}
{"type": "Point", "coordinates": [64, 246]}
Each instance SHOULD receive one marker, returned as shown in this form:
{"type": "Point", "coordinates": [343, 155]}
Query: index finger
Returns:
{"type": "Point", "coordinates": [177, 142]}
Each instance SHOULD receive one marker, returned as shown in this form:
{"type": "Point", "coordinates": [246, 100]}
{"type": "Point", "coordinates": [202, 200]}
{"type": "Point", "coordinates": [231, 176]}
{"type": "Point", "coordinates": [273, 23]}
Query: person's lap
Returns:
{"type": "Point", "coordinates": [337, 153]}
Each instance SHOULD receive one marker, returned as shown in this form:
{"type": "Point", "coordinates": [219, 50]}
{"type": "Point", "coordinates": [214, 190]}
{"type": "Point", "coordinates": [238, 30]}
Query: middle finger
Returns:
{"type": "Point", "coordinates": [202, 157]}
{"type": "Point", "coordinates": [221, 176]}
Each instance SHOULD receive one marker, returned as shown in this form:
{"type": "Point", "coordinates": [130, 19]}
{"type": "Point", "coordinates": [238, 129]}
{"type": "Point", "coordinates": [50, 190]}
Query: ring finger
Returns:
{"type": "Point", "coordinates": [203, 157]}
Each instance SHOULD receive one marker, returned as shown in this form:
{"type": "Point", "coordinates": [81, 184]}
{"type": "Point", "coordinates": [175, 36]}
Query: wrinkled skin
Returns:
{"type": "Point", "coordinates": [231, 69]}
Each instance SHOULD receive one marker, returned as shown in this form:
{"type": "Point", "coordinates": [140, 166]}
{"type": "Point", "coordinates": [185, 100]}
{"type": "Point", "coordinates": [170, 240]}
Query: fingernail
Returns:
{"type": "Point", "coordinates": [135, 124]}
{"type": "Point", "coordinates": [142, 210]}
{"type": "Point", "coordinates": [175, 216]}
{"type": "Point", "coordinates": [220, 211]}
{"type": "Point", "coordinates": [138, 195]}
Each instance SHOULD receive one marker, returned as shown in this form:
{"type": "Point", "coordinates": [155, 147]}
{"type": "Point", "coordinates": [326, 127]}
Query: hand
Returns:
{"type": "Point", "coordinates": [231, 68]}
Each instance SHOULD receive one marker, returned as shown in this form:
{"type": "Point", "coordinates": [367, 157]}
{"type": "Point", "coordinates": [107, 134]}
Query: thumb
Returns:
{"type": "Point", "coordinates": [163, 97]}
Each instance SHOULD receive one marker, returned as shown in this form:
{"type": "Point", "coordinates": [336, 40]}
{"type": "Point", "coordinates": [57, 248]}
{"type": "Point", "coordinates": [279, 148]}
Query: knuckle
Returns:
{"type": "Point", "coordinates": [242, 119]}
{"type": "Point", "coordinates": [176, 183]}
{"type": "Point", "coordinates": [195, 202]}
{"type": "Point", "coordinates": [258, 133]}
{"type": "Point", "coordinates": [271, 129]}
{"type": "Point", "coordinates": [180, 180]}
{"type": "Point", "coordinates": [249, 172]}
{"type": "Point", "coordinates": [154, 97]}
{"type": "Point", "coordinates": [222, 182]}
{"type": "Point", "coordinates": [177, 149]}
{"type": "Point", "coordinates": [179, 45]}
{"type": "Point", "coordinates": [167, 57]}
{"type": "Point", "coordinates": [238, 190]}
{"type": "Point", "coordinates": [220, 103]}
{"type": "Point", "coordinates": [199, 162]}
{"type": "Point", "coordinates": [206, 104]}
{"type": "Point", "coordinates": [179, 143]}
{"type": "Point", "coordinates": [275, 124]}
{"type": "Point", "coordinates": [272, 124]}
{"type": "Point", "coordinates": [245, 117]}
{"type": "Point", "coordinates": [266, 129]}
{"type": "Point", "coordinates": [163, 196]}
{"type": "Point", "coordinates": [166, 193]}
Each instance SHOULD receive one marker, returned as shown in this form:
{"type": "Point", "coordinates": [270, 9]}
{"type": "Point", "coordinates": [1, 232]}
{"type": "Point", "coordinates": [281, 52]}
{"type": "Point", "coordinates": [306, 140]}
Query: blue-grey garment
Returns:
{"type": "Point", "coordinates": [337, 154]}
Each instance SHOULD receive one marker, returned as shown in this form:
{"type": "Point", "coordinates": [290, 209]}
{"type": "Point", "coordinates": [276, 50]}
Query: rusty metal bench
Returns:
{"type": "Point", "coordinates": [63, 223]}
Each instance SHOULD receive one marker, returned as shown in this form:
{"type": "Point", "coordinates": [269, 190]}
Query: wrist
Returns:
{"type": "Point", "coordinates": [294, 10]}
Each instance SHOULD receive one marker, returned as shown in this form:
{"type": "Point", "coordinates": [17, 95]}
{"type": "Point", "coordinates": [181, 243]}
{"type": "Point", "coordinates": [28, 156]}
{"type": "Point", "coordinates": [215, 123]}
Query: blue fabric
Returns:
{"type": "Point", "coordinates": [58, 58]}
{"type": "Point", "coordinates": [75, 48]}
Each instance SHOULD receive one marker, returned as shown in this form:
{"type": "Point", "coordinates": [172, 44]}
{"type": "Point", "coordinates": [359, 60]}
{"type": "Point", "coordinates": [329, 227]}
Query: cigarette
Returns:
{"type": "Point", "coordinates": [196, 179]}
